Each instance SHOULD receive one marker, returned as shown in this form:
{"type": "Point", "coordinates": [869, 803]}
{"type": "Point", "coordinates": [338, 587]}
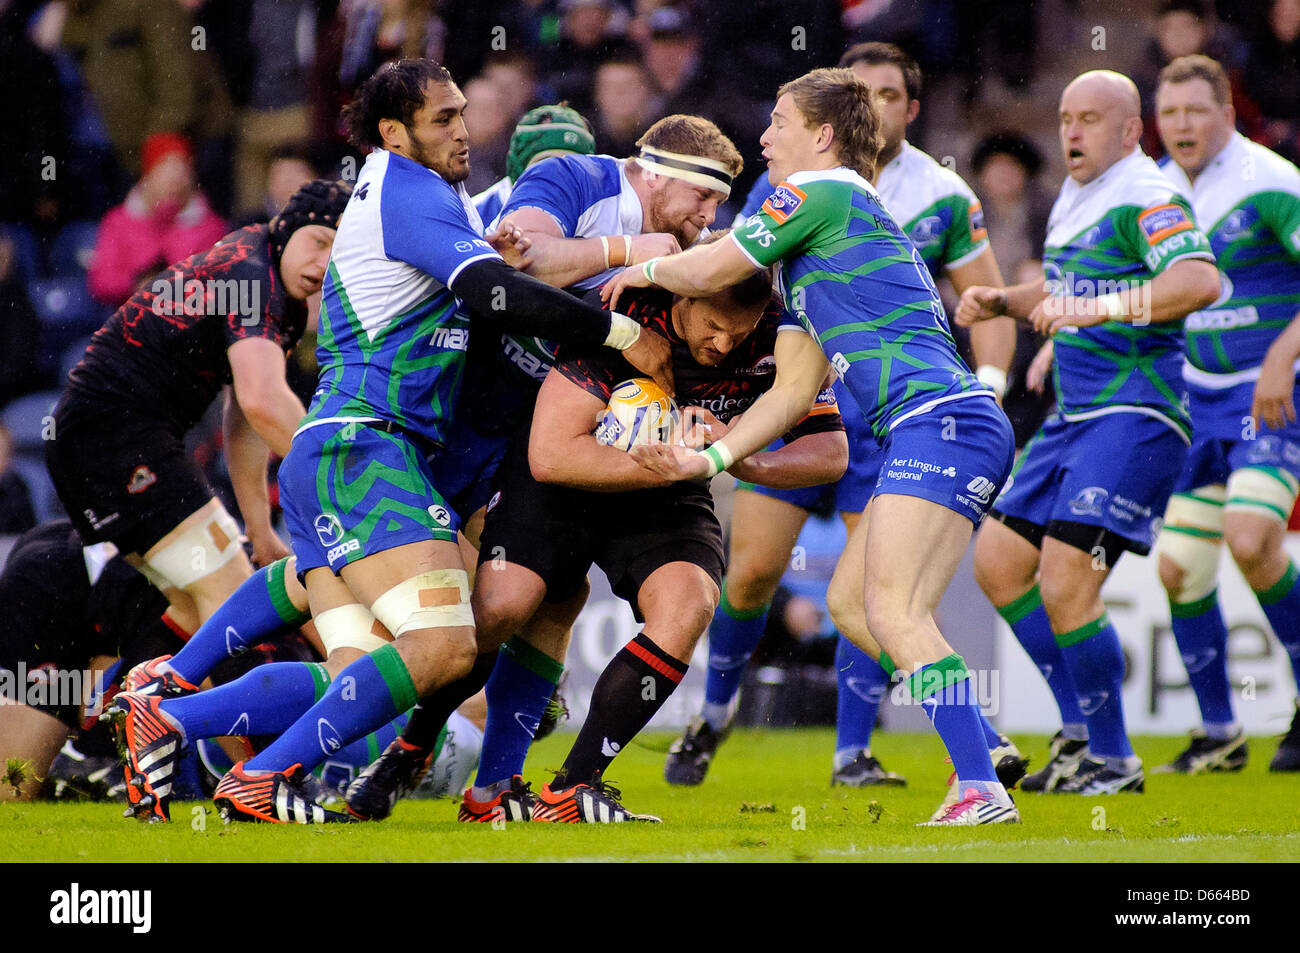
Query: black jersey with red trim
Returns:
{"type": "Point", "coordinates": [726, 389]}
{"type": "Point", "coordinates": [163, 352]}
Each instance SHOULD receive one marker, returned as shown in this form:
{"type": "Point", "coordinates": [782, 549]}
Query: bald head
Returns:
{"type": "Point", "coordinates": [1101, 122]}
{"type": "Point", "coordinates": [1109, 88]}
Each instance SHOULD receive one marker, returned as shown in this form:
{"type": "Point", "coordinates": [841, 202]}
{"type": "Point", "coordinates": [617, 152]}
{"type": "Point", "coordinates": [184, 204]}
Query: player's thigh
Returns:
{"type": "Point", "coordinates": [913, 549]}
{"type": "Point", "coordinates": [678, 600]}
{"type": "Point", "coordinates": [1071, 581]}
{"type": "Point", "coordinates": [763, 533]}
{"type": "Point", "coordinates": [844, 594]}
{"type": "Point", "coordinates": [32, 738]}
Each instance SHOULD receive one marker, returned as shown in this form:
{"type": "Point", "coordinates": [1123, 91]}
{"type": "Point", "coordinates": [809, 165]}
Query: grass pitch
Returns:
{"type": "Point", "coordinates": [766, 799]}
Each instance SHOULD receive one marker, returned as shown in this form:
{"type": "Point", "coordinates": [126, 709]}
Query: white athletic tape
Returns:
{"type": "Point", "coordinates": [411, 604]}
{"type": "Point", "coordinates": [1267, 493]}
{"type": "Point", "coordinates": [348, 627]}
{"type": "Point", "coordinates": [1197, 556]}
{"type": "Point", "coordinates": [198, 552]}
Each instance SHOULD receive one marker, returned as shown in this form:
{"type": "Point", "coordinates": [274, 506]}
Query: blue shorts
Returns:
{"type": "Point", "coordinates": [956, 455]}
{"type": "Point", "coordinates": [1115, 472]}
{"type": "Point", "coordinates": [350, 490]}
{"type": "Point", "coordinates": [464, 470]}
{"type": "Point", "coordinates": [1223, 440]}
{"type": "Point", "coordinates": [850, 493]}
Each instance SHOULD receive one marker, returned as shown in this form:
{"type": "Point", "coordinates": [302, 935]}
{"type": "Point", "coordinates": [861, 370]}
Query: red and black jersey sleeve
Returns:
{"type": "Point", "coordinates": [163, 352]}
{"type": "Point", "coordinates": [599, 370]}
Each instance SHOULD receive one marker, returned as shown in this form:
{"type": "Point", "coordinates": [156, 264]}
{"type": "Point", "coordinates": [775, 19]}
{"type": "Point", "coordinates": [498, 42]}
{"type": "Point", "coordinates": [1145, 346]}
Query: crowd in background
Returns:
{"type": "Point", "coordinates": [146, 129]}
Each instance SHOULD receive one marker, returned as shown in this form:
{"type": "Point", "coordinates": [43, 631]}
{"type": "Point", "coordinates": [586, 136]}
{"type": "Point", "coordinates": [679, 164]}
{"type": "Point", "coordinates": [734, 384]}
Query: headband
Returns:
{"type": "Point", "coordinates": [706, 173]}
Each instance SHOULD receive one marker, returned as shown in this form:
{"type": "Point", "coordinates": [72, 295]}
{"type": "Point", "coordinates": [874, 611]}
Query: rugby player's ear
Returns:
{"type": "Point", "coordinates": [913, 110]}
{"type": "Point", "coordinates": [393, 133]}
{"type": "Point", "coordinates": [1132, 131]}
{"type": "Point", "coordinates": [825, 137]}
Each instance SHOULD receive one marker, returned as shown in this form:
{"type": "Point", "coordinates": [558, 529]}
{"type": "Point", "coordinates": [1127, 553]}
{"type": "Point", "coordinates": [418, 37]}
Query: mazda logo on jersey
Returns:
{"type": "Point", "coordinates": [328, 529]}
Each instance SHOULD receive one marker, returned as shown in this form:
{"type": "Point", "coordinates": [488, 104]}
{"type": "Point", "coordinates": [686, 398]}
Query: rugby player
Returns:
{"type": "Point", "coordinates": [580, 218]}
{"type": "Point", "coordinates": [65, 605]}
{"type": "Point", "coordinates": [1093, 482]}
{"type": "Point", "coordinates": [1243, 470]}
{"type": "Point", "coordinates": [578, 502]}
{"type": "Point", "coordinates": [541, 133]}
{"type": "Point", "coordinates": [225, 316]}
{"type": "Point", "coordinates": [885, 333]}
{"type": "Point", "coordinates": [942, 217]}
{"type": "Point", "coordinates": [372, 534]}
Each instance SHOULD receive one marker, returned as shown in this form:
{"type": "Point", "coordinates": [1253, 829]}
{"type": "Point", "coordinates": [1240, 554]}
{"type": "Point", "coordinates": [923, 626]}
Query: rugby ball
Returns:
{"type": "Point", "coordinates": [638, 412]}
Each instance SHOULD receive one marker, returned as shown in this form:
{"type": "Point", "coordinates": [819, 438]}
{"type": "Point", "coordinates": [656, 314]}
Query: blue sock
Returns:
{"type": "Point", "coordinates": [1028, 620]}
{"type": "Point", "coordinates": [1096, 664]}
{"type": "Point", "coordinates": [947, 694]}
{"type": "Point", "coordinates": [1202, 639]}
{"type": "Point", "coordinates": [1281, 604]}
{"type": "Point", "coordinates": [370, 692]}
{"type": "Point", "coordinates": [861, 688]}
{"type": "Point", "coordinates": [733, 634]}
{"type": "Point", "coordinates": [364, 751]}
{"type": "Point", "coordinates": [991, 736]}
{"type": "Point", "coordinates": [259, 609]}
{"type": "Point", "coordinates": [518, 691]}
{"type": "Point", "coordinates": [264, 701]}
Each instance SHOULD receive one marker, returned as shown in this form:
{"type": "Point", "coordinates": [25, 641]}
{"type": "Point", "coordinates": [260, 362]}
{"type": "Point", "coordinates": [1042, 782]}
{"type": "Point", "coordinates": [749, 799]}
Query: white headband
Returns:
{"type": "Point", "coordinates": [706, 173]}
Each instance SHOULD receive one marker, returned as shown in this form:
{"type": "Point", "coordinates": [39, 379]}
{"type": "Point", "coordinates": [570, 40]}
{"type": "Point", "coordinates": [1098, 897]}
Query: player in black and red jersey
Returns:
{"type": "Point", "coordinates": [565, 502]}
{"type": "Point", "coordinates": [225, 316]}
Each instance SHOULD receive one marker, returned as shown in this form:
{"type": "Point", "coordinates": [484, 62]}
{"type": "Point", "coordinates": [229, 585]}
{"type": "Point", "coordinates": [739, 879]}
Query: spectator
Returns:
{"type": "Point", "coordinates": [292, 165]}
{"type": "Point", "coordinates": [515, 74]}
{"type": "Point", "coordinates": [1272, 77]}
{"type": "Point", "coordinates": [1015, 206]}
{"type": "Point", "coordinates": [588, 31]}
{"type": "Point", "coordinates": [625, 103]}
{"type": "Point", "coordinates": [16, 513]}
{"type": "Point", "coordinates": [137, 59]}
{"type": "Point", "coordinates": [490, 123]}
{"type": "Point", "coordinates": [1185, 27]}
{"type": "Point", "coordinates": [20, 331]}
{"type": "Point", "coordinates": [377, 31]}
{"type": "Point", "coordinates": [280, 51]}
{"type": "Point", "coordinates": [165, 218]}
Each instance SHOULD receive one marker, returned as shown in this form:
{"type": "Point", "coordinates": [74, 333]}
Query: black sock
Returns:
{"type": "Point", "coordinates": [428, 717]}
{"type": "Point", "coordinates": [635, 684]}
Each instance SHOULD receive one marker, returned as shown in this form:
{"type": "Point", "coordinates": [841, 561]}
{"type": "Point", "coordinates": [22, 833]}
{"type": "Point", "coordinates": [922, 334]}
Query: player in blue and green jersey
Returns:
{"type": "Point", "coordinates": [1241, 477]}
{"type": "Point", "coordinates": [863, 301]}
{"type": "Point", "coordinates": [1124, 262]}
{"type": "Point", "coordinates": [942, 218]}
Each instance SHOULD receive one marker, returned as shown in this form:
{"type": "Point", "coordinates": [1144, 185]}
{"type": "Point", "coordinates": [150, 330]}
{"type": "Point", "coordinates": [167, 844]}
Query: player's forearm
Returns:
{"type": "Point", "coordinates": [1286, 346]}
{"type": "Point", "coordinates": [275, 417]}
{"type": "Point", "coordinates": [561, 262]}
{"type": "Point", "coordinates": [994, 344]}
{"type": "Point", "coordinates": [246, 459]}
{"type": "Point", "coordinates": [492, 291]}
{"type": "Point", "coordinates": [808, 461]}
{"type": "Point", "coordinates": [583, 464]}
{"type": "Point", "coordinates": [700, 271]}
{"type": "Point", "coordinates": [1023, 298]}
{"type": "Point", "coordinates": [1173, 294]}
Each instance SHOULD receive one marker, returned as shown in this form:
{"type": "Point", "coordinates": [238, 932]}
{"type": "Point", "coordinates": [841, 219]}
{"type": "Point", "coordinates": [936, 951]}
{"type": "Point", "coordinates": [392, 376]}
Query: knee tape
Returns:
{"type": "Point", "coordinates": [199, 551]}
{"type": "Point", "coordinates": [350, 626]}
{"type": "Point", "coordinates": [431, 600]}
{"type": "Point", "coordinates": [1191, 538]}
{"type": "Point", "coordinates": [1269, 493]}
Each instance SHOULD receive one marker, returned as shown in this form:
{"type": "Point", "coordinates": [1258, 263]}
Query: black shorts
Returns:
{"type": "Point", "coordinates": [56, 621]}
{"type": "Point", "coordinates": [122, 477]}
{"type": "Point", "coordinates": [559, 532]}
